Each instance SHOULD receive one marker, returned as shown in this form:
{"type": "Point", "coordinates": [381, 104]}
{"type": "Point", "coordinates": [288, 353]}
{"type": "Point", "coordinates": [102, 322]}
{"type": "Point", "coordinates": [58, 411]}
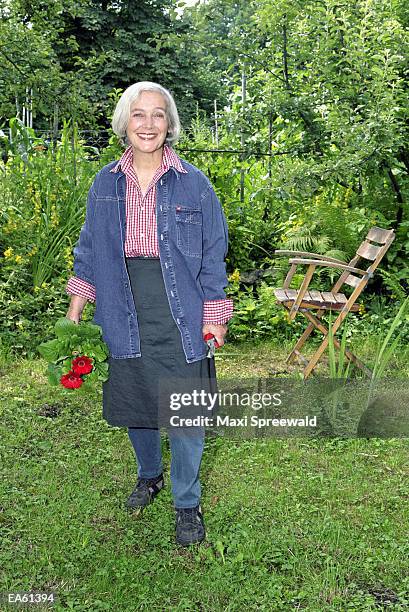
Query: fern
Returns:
{"type": "Point", "coordinates": [393, 284]}
{"type": "Point", "coordinates": [322, 244]}
{"type": "Point", "coordinates": [304, 240]}
{"type": "Point", "coordinates": [326, 226]}
{"type": "Point", "coordinates": [337, 254]}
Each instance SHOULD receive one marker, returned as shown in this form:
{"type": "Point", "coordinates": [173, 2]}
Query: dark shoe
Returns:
{"type": "Point", "coordinates": [145, 491]}
{"type": "Point", "coordinates": [189, 526]}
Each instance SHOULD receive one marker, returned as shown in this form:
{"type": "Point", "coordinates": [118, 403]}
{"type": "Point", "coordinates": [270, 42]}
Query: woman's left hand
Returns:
{"type": "Point", "coordinates": [218, 331]}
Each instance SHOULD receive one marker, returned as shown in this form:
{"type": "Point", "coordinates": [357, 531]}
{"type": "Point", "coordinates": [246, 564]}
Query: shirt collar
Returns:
{"type": "Point", "coordinates": [169, 159]}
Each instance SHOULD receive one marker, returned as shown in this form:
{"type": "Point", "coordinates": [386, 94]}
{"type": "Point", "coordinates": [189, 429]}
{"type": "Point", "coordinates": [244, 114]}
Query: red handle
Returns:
{"type": "Point", "coordinates": [209, 336]}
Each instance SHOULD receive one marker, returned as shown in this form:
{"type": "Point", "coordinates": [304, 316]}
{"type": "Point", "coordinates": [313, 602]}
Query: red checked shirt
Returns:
{"type": "Point", "coordinates": [141, 235]}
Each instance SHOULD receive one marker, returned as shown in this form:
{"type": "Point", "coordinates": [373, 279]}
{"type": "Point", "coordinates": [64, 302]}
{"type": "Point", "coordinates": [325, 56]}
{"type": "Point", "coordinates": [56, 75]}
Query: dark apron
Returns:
{"type": "Point", "coordinates": [131, 394]}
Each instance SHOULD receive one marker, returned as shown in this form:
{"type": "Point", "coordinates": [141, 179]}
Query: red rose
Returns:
{"type": "Point", "coordinates": [71, 380]}
{"type": "Point", "coordinates": [82, 365]}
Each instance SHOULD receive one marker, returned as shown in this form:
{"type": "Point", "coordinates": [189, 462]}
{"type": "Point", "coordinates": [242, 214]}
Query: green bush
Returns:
{"type": "Point", "coordinates": [28, 317]}
{"type": "Point", "coordinates": [44, 188]}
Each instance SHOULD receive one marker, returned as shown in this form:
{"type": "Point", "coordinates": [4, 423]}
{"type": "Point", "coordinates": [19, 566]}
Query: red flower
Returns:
{"type": "Point", "coordinates": [71, 380]}
{"type": "Point", "coordinates": [82, 365]}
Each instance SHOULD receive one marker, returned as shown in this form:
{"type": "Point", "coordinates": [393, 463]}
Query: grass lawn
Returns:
{"type": "Point", "coordinates": [311, 524]}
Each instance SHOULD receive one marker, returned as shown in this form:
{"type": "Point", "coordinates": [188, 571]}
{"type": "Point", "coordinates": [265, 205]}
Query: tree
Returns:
{"type": "Point", "coordinates": [102, 45]}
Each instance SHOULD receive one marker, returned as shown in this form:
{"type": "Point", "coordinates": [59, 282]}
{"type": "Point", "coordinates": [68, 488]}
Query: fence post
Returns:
{"type": "Point", "coordinates": [30, 121]}
{"type": "Point", "coordinates": [73, 147]}
{"type": "Point", "coordinates": [55, 123]}
{"type": "Point", "coordinates": [270, 141]}
{"type": "Point", "coordinates": [242, 139]}
{"type": "Point", "coordinates": [215, 123]}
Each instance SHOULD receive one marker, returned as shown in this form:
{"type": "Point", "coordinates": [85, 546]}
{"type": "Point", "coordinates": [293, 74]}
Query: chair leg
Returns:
{"type": "Point", "coordinates": [305, 335]}
{"type": "Point", "coordinates": [316, 323]}
{"type": "Point", "coordinates": [301, 358]}
{"type": "Point", "coordinates": [315, 358]}
{"type": "Point", "coordinates": [300, 342]}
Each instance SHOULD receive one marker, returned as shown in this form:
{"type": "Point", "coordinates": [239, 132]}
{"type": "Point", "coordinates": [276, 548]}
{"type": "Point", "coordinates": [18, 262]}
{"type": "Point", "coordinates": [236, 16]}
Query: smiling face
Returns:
{"type": "Point", "coordinates": [148, 124]}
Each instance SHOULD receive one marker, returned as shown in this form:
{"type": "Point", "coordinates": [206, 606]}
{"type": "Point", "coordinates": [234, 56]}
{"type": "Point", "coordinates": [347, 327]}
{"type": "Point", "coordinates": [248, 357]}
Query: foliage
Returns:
{"type": "Point", "coordinates": [27, 315]}
{"type": "Point", "coordinates": [74, 340]}
{"type": "Point", "coordinates": [339, 364]}
{"type": "Point", "coordinates": [387, 347]}
{"type": "Point", "coordinates": [310, 149]}
{"type": "Point", "coordinates": [31, 73]}
{"type": "Point", "coordinates": [256, 313]}
{"type": "Point", "coordinates": [325, 95]}
{"type": "Point", "coordinates": [95, 46]}
{"type": "Point", "coordinates": [44, 188]}
{"type": "Point", "coordinates": [218, 30]}
{"type": "Point", "coordinates": [329, 224]}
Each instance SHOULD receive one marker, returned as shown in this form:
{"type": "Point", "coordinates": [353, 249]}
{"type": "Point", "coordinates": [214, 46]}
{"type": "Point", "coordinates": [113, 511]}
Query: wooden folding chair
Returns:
{"type": "Point", "coordinates": [305, 301]}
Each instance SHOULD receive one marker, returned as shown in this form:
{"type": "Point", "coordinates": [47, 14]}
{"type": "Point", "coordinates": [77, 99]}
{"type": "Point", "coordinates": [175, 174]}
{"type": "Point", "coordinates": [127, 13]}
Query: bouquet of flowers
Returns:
{"type": "Point", "coordinates": [76, 355]}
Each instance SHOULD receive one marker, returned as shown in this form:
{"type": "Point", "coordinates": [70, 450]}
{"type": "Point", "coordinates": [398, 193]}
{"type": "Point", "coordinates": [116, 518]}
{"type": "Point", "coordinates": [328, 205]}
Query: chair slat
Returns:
{"type": "Point", "coordinates": [376, 234]}
{"type": "Point", "coordinates": [316, 295]}
{"type": "Point", "coordinates": [280, 295]}
{"type": "Point", "coordinates": [319, 297]}
{"type": "Point", "coordinates": [352, 281]}
{"type": "Point", "coordinates": [369, 251]}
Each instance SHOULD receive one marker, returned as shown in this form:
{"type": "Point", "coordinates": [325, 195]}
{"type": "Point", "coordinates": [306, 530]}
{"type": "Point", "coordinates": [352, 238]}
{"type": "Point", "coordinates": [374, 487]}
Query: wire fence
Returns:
{"type": "Point", "coordinates": [99, 139]}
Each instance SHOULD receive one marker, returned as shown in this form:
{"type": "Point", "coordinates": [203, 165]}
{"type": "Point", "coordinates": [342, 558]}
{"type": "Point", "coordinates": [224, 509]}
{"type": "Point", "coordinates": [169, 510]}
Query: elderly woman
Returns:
{"type": "Point", "coordinates": [151, 255]}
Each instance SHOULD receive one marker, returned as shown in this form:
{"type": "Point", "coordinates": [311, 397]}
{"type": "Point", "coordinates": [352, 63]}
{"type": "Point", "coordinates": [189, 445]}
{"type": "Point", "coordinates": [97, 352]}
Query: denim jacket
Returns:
{"type": "Point", "coordinates": [193, 241]}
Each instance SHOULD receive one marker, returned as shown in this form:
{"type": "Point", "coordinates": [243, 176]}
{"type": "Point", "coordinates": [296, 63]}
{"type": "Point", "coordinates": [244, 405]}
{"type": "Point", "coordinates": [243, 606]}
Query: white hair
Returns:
{"type": "Point", "coordinates": [122, 111]}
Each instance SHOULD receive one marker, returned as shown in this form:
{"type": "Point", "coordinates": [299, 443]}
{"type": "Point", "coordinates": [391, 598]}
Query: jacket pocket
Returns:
{"type": "Point", "coordinates": [189, 230]}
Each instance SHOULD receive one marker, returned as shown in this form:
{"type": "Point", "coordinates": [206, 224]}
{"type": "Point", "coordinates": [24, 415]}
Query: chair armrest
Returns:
{"type": "Point", "coordinates": [304, 285]}
{"type": "Point", "coordinates": [309, 255]}
{"type": "Point", "coordinates": [312, 264]}
{"type": "Point", "coordinates": [328, 264]}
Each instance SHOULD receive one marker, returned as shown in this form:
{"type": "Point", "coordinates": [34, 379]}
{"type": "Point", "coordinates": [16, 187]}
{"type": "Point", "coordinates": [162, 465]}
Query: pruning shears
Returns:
{"type": "Point", "coordinates": [212, 344]}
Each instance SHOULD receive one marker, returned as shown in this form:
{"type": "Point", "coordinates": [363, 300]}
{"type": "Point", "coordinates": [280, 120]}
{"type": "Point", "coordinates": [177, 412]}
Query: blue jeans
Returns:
{"type": "Point", "coordinates": [186, 454]}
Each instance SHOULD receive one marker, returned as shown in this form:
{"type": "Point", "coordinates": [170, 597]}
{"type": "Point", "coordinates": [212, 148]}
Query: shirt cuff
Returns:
{"type": "Point", "coordinates": [217, 312]}
{"type": "Point", "coordinates": [77, 286]}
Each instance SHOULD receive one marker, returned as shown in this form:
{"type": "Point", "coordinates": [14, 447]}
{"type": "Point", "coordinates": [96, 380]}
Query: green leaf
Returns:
{"type": "Point", "coordinates": [102, 369]}
{"type": "Point", "coordinates": [66, 364]}
{"type": "Point", "coordinates": [50, 350]}
{"type": "Point", "coordinates": [54, 374]}
{"type": "Point", "coordinates": [74, 341]}
{"type": "Point", "coordinates": [100, 352]}
{"type": "Point", "coordinates": [89, 330]}
{"type": "Point", "coordinates": [64, 328]}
